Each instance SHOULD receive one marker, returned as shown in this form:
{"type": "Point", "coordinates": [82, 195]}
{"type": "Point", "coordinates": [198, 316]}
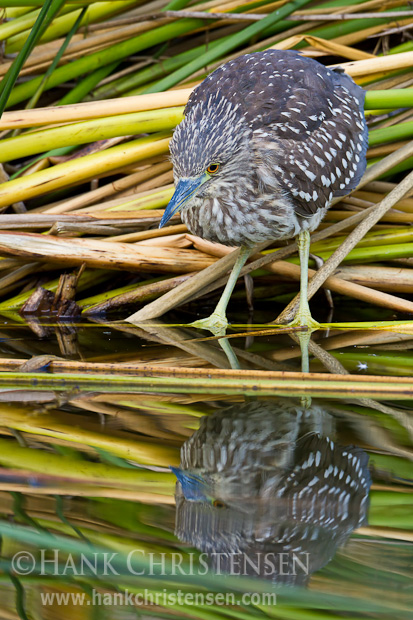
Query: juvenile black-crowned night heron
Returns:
{"type": "Point", "coordinates": [263, 479]}
{"type": "Point", "coordinates": [268, 140]}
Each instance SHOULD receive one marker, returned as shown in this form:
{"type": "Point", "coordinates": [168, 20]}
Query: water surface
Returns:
{"type": "Point", "coordinates": [307, 502]}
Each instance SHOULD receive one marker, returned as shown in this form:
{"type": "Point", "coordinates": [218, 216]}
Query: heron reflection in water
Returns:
{"type": "Point", "coordinates": [263, 490]}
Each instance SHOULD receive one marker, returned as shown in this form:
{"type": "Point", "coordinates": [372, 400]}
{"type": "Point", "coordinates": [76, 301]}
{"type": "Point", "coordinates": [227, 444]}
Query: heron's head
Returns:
{"type": "Point", "coordinates": [207, 149]}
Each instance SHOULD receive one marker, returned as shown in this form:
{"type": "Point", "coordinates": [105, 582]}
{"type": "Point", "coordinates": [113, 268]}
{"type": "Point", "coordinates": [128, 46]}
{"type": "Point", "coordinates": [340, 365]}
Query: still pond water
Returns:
{"type": "Point", "coordinates": [274, 507]}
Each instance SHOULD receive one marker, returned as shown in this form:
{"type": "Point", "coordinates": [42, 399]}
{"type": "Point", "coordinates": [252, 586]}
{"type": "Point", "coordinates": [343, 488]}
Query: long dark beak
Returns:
{"type": "Point", "coordinates": [185, 189]}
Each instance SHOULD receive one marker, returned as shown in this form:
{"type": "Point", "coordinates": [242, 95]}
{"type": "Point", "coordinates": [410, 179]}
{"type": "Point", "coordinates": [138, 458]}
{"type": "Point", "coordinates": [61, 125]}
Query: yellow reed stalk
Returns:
{"type": "Point", "coordinates": [391, 62]}
{"type": "Point", "coordinates": [49, 425]}
{"type": "Point", "coordinates": [363, 64]}
{"type": "Point", "coordinates": [89, 131]}
{"type": "Point", "coordinates": [138, 202]}
{"type": "Point", "coordinates": [96, 195]}
{"type": "Point", "coordinates": [405, 204]}
{"type": "Point", "coordinates": [386, 532]}
{"type": "Point", "coordinates": [151, 200]}
{"type": "Point", "coordinates": [124, 105]}
{"type": "Point", "coordinates": [78, 170]}
{"type": "Point", "coordinates": [93, 109]}
{"type": "Point", "coordinates": [150, 234]}
{"type": "Point", "coordinates": [160, 181]}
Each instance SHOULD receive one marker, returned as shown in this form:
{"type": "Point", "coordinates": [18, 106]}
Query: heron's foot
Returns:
{"type": "Point", "coordinates": [303, 318]}
{"type": "Point", "coordinates": [216, 323]}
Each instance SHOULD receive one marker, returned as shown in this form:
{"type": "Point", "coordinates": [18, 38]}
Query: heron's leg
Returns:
{"type": "Point", "coordinates": [217, 323]}
{"type": "Point", "coordinates": [303, 316]}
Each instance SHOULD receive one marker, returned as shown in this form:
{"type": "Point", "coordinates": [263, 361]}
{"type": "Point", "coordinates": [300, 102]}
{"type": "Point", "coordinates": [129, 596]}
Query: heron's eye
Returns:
{"type": "Point", "coordinates": [212, 168]}
{"type": "Point", "coordinates": [218, 504]}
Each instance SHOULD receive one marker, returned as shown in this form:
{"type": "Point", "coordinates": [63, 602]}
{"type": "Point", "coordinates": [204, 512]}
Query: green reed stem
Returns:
{"type": "Point", "coordinates": [49, 10]}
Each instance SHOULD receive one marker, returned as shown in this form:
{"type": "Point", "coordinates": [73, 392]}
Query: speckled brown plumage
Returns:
{"type": "Point", "coordinates": [289, 135]}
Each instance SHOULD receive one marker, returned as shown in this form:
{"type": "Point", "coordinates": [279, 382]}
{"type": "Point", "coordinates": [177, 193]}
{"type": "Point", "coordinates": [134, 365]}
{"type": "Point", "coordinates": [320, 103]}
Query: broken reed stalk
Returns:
{"type": "Point", "coordinates": [353, 238]}
{"type": "Point", "coordinates": [207, 281]}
